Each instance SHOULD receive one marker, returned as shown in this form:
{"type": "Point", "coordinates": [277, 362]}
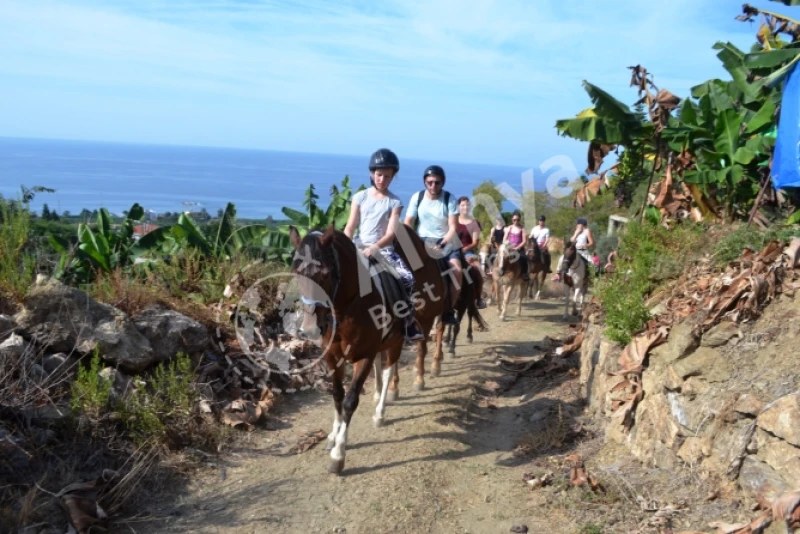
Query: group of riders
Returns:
{"type": "Point", "coordinates": [445, 225]}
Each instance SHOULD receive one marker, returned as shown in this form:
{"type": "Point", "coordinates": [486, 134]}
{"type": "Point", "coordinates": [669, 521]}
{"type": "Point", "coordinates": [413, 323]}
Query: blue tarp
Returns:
{"type": "Point", "coordinates": [786, 160]}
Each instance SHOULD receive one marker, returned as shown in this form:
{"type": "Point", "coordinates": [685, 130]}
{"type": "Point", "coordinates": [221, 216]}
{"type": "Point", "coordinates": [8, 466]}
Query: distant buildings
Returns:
{"type": "Point", "coordinates": [140, 230]}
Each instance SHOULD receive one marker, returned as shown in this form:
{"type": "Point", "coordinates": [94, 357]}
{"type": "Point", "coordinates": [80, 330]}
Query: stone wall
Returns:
{"type": "Point", "coordinates": [727, 402]}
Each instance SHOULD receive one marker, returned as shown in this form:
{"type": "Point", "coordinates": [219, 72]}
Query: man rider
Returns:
{"type": "Point", "coordinates": [542, 236]}
{"type": "Point", "coordinates": [437, 213]}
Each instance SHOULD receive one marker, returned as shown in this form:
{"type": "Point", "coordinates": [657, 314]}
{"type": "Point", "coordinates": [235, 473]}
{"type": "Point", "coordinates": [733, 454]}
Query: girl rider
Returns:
{"type": "Point", "coordinates": [375, 212]}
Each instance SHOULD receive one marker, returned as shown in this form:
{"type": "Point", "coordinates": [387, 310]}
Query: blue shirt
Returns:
{"type": "Point", "coordinates": [433, 215]}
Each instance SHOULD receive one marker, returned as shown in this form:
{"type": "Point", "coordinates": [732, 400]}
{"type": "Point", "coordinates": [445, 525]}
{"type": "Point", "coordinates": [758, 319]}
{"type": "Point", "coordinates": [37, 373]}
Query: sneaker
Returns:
{"type": "Point", "coordinates": [480, 304]}
{"type": "Point", "coordinates": [412, 332]}
{"type": "Point", "coordinates": [449, 317]}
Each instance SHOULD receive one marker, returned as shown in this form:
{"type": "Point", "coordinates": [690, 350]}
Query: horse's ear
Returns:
{"type": "Point", "coordinates": [294, 237]}
{"type": "Point", "coordinates": [327, 238]}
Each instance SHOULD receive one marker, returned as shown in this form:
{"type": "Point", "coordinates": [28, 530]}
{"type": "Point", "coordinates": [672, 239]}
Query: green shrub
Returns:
{"type": "Point", "coordinates": [90, 391]}
{"type": "Point", "coordinates": [17, 266]}
{"type": "Point", "coordinates": [732, 245]}
{"type": "Point", "coordinates": [648, 255]}
{"type": "Point", "coordinates": [163, 409]}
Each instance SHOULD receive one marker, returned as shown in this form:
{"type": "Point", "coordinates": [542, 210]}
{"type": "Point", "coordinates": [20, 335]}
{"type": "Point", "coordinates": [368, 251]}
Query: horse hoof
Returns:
{"type": "Point", "coordinates": [392, 396]}
{"type": "Point", "coordinates": [451, 351]}
{"type": "Point", "coordinates": [376, 397]}
{"type": "Point", "coordinates": [377, 422]}
{"type": "Point", "coordinates": [469, 339]}
{"type": "Point", "coordinates": [435, 372]}
{"type": "Point", "coordinates": [330, 445]}
{"type": "Point", "coordinates": [335, 467]}
{"type": "Point", "coordinates": [418, 386]}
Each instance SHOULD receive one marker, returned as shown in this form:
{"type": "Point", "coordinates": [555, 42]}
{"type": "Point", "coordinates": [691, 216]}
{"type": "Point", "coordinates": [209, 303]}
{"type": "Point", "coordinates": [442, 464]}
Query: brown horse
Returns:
{"type": "Point", "coordinates": [467, 303]}
{"type": "Point", "coordinates": [343, 306]}
{"type": "Point", "coordinates": [507, 275]}
{"type": "Point", "coordinates": [537, 268]}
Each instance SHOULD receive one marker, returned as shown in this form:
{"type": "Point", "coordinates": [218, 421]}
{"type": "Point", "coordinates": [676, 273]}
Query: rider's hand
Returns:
{"type": "Point", "coordinates": [370, 250]}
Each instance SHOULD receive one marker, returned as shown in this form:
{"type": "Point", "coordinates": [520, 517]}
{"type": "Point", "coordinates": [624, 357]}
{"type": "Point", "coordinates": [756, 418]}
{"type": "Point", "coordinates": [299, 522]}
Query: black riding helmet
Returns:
{"type": "Point", "coordinates": [582, 221]}
{"type": "Point", "coordinates": [542, 217]}
{"type": "Point", "coordinates": [383, 158]}
{"type": "Point", "coordinates": [434, 170]}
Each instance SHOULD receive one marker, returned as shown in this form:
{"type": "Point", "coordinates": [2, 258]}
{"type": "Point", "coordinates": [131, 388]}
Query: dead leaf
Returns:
{"type": "Point", "coordinates": [787, 508]}
{"type": "Point", "coordinates": [306, 442]}
{"type": "Point", "coordinates": [241, 412]}
{"type": "Point", "coordinates": [80, 502]}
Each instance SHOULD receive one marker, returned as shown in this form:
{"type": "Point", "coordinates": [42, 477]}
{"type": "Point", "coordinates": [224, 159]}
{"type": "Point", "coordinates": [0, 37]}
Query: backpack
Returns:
{"type": "Point", "coordinates": [419, 201]}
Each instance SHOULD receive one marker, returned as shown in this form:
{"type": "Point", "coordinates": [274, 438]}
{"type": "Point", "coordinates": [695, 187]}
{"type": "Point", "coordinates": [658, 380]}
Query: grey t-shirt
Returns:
{"type": "Point", "coordinates": [375, 215]}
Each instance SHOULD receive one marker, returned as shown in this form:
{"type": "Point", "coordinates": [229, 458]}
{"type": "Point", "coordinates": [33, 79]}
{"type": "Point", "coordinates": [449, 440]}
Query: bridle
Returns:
{"type": "Point", "coordinates": [330, 316]}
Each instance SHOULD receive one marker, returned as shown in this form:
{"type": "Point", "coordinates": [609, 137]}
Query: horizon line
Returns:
{"type": "Point", "coordinates": [245, 149]}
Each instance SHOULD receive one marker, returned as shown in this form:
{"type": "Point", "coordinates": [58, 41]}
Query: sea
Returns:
{"type": "Point", "coordinates": [164, 179]}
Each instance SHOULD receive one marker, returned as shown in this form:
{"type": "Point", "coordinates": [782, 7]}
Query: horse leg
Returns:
{"type": "Point", "coordinates": [566, 301]}
{"type": "Point", "coordinates": [575, 298]}
{"type": "Point", "coordinates": [469, 324]}
{"type": "Point", "coordinates": [540, 284]}
{"type": "Point", "coordinates": [350, 405]}
{"type": "Point", "coordinates": [338, 398]}
{"type": "Point", "coordinates": [506, 297]}
{"type": "Point", "coordinates": [522, 292]}
{"type": "Point", "coordinates": [447, 332]}
{"type": "Point", "coordinates": [379, 385]}
{"type": "Point", "coordinates": [392, 355]}
{"type": "Point", "coordinates": [422, 351]}
{"type": "Point", "coordinates": [394, 386]}
{"type": "Point", "coordinates": [438, 355]}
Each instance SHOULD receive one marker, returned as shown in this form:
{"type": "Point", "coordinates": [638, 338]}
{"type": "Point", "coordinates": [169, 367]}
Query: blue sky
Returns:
{"type": "Point", "coordinates": [473, 81]}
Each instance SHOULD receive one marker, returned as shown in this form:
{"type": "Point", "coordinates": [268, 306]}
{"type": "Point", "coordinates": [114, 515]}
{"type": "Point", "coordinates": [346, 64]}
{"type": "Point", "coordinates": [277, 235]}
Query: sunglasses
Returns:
{"type": "Point", "coordinates": [433, 182]}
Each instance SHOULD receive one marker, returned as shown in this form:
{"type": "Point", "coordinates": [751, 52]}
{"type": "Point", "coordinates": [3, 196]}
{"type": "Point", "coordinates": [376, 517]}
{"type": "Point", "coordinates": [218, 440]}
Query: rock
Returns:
{"type": "Point", "coordinates": [681, 342]}
{"type": "Point", "coordinates": [792, 251]}
{"type": "Point", "coordinates": [48, 414]}
{"type": "Point", "coordinates": [12, 349]}
{"type": "Point", "coordinates": [761, 479]}
{"type": "Point", "coordinates": [720, 334]}
{"type": "Point", "coordinates": [749, 405]}
{"type": "Point", "coordinates": [705, 362]}
{"type": "Point", "coordinates": [782, 418]}
{"type": "Point", "coordinates": [14, 457]}
{"type": "Point", "coordinates": [7, 326]}
{"type": "Point", "coordinates": [64, 318]}
{"type": "Point", "coordinates": [170, 332]}
{"type": "Point", "coordinates": [539, 415]}
{"type": "Point", "coordinates": [121, 384]}
{"type": "Point", "coordinates": [37, 373]}
{"type": "Point", "coordinates": [781, 456]}
{"type": "Point", "coordinates": [691, 451]}
{"type": "Point", "coordinates": [59, 364]}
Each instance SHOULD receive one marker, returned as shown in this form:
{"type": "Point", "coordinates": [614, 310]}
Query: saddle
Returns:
{"type": "Point", "coordinates": [390, 286]}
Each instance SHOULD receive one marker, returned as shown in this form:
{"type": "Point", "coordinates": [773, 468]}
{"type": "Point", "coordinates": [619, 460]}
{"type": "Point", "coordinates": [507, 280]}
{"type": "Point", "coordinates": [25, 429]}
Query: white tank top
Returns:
{"type": "Point", "coordinates": [582, 239]}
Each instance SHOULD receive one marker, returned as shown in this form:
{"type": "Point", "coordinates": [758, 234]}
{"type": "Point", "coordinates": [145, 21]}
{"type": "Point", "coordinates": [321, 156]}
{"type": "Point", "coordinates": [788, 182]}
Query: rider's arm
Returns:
{"type": "Point", "coordinates": [591, 238]}
{"type": "Point", "coordinates": [352, 222]}
{"type": "Point", "coordinates": [451, 236]}
{"type": "Point", "coordinates": [546, 241]}
{"type": "Point", "coordinates": [388, 237]}
{"type": "Point", "coordinates": [411, 212]}
{"type": "Point", "coordinates": [476, 240]}
{"type": "Point", "coordinates": [524, 242]}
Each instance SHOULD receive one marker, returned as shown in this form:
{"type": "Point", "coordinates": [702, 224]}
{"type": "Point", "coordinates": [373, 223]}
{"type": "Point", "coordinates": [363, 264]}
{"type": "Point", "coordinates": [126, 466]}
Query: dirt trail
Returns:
{"type": "Point", "coordinates": [443, 462]}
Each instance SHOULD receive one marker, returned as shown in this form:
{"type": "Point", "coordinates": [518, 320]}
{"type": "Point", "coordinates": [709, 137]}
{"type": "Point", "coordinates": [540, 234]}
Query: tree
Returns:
{"type": "Point", "coordinates": [486, 195]}
{"type": "Point", "coordinates": [46, 212]}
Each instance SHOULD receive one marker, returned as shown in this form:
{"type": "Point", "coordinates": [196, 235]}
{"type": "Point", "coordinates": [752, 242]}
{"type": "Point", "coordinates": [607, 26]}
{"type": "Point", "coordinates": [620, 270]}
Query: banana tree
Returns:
{"type": "Point", "coordinates": [336, 213]}
{"type": "Point", "coordinates": [102, 249]}
{"type": "Point", "coordinates": [228, 240]}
